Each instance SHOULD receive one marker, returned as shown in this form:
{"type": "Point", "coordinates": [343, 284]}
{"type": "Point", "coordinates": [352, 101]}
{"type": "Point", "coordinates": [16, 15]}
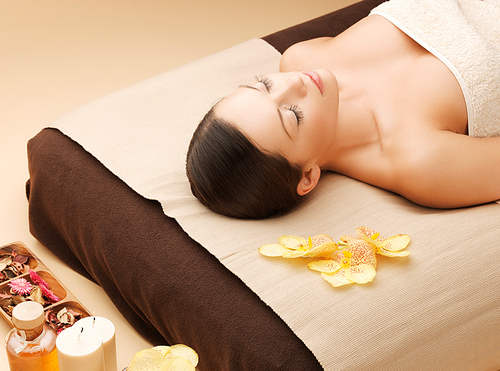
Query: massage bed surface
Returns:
{"type": "Point", "coordinates": [436, 310]}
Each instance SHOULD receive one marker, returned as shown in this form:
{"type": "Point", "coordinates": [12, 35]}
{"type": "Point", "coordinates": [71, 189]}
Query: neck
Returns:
{"type": "Point", "coordinates": [356, 126]}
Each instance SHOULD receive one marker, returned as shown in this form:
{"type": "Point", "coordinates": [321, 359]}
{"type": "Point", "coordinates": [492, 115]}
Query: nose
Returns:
{"type": "Point", "coordinates": [293, 87]}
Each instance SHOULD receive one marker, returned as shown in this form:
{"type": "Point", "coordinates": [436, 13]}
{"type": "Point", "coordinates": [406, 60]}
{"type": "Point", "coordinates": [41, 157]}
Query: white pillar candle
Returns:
{"type": "Point", "coordinates": [107, 330]}
{"type": "Point", "coordinates": [80, 349]}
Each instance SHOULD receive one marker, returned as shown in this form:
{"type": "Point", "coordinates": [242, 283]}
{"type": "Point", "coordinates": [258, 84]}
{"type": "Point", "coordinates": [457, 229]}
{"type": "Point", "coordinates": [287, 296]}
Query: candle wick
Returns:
{"type": "Point", "coordinates": [93, 322]}
{"type": "Point", "coordinates": [80, 334]}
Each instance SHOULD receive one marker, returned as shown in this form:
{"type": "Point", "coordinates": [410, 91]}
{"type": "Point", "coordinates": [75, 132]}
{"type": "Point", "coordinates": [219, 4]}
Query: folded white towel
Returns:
{"type": "Point", "coordinates": [465, 35]}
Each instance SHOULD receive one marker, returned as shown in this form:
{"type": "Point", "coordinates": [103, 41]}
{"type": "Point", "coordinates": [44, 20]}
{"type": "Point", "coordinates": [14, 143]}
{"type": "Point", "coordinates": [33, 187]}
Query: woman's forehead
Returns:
{"type": "Point", "coordinates": [241, 103]}
{"type": "Point", "coordinates": [254, 114]}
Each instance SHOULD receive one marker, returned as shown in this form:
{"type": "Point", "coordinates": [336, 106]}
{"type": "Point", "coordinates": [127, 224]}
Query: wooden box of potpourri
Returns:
{"type": "Point", "coordinates": [23, 276]}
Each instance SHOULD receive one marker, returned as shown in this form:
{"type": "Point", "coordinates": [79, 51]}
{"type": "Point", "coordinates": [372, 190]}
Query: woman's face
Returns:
{"type": "Point", "coordinates": [292, 113]}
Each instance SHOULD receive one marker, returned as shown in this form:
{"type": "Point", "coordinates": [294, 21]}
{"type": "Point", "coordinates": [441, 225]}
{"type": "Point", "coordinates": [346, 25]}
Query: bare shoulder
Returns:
{"type": "Point", "coordinates": [372, 36]}
{"type": "Point", "coordinates": [447, 170]}
{"type": "Point", "coordinates": [297, 55]}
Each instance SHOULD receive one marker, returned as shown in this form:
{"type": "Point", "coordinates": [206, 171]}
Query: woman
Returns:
{"type": "Point", "coordinates": [371, 104]}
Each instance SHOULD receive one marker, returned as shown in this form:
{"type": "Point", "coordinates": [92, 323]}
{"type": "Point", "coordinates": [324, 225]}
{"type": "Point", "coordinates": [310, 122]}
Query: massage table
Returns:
{"type": "Point", "coordinates": [444, 314]}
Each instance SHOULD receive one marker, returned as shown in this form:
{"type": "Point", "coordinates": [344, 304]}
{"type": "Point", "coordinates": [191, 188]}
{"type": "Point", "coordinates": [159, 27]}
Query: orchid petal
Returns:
{"type": "Point", "coordinates": [320, 239]}
{"type": "Point", "coordinates": [378, 244]}
{"type": "Point", "coordinates": [292, 254]}
{"type": "Point", "coordinates": [273, 250]}
{"type": "Point", "coordinates": [324, 250]}
{"type": "Point", "coordinates": [325, 266]}
{"type": "Point", "coordinates": [393, 254]}
{"type": "Point", "coordinates": [363, 273]}
{"type": "Point", "coordinates": [397, 242]}
{"type": "Point", "coordinates": [348, 239]}
{"type": "Point", "coordinates": [292, 242]}
{"type": "Point", "coordinates": [362, 251]}
{"type": "Point", "coordinates": [368, 232]}
{"type": "Point", "coordinates": [336, 279]}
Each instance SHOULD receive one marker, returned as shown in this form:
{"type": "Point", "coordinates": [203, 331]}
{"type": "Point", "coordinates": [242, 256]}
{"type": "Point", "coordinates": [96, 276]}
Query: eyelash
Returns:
{"type": "Point", "coordinates": [298, 113]}
{"type": "Point", "coordinates": [267, 82]}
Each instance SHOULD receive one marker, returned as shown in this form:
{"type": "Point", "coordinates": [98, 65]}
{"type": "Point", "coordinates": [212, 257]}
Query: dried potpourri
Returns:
{"type": "Point", "coordinates": [63, 319]}
{"type": "Point", "coordinates": [8, 302]}
{"type": "Point", "coordinates": [13, 265]}
{"type": "Point", "coordinates": [22, 290]}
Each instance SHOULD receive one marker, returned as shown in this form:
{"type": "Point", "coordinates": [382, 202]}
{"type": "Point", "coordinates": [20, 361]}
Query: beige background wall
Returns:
{"type": "Point", "coordinates": [56, 55]}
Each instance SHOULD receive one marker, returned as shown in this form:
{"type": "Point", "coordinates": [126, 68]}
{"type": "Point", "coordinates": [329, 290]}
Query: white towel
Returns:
{"type": "Point", "coordinates": [465, 35]}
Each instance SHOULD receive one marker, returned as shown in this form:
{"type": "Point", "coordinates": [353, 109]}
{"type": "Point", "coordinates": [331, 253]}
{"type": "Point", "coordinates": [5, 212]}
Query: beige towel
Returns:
{"type": "Point", "coordinates": [465, 35]}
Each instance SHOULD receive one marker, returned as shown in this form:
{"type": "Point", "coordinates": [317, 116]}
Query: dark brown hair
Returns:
{"type": "Point", "coordinates": [232, 177]}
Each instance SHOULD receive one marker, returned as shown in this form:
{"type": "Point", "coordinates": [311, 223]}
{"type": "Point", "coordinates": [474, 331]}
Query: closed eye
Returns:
{"type": "Point", "coordinates": [299, 114]}
{"type": "Point", "coordinates": [266, 81]}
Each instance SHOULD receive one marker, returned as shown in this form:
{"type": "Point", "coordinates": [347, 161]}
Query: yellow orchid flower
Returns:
{"type": "Point", "coordinates": [355, 264]}
{"type": "Point", "coordinates": [391, 247]}
{"type": "Point", "coordinates": [320, 246]}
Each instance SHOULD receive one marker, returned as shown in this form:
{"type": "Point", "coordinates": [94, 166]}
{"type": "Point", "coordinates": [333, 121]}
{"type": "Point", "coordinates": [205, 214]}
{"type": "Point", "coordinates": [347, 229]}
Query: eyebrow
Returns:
{"type": "Point", "coordinates": [279, 112]}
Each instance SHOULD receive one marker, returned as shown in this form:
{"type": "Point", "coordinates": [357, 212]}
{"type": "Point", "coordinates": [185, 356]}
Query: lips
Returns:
{"type": "Point", "coordinates": [315, 79]}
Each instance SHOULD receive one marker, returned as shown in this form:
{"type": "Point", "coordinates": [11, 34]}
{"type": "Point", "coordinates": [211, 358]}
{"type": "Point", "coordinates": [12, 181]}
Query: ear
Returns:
{"type": "Point", "coordinates": [309, 180]}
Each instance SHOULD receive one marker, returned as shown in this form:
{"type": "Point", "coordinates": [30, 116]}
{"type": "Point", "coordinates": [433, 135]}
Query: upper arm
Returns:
{"type": "Point", "coordinates": [448, 170]}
